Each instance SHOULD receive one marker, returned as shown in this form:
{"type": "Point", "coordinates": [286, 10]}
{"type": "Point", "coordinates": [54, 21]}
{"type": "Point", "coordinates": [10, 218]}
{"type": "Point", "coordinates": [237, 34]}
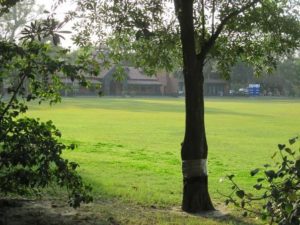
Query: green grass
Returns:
{"type": "Point", "coordinates": [130, 147]}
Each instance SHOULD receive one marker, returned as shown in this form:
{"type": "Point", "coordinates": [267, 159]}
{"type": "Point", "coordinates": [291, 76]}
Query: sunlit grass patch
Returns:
{"type": "Point", "coordinates": [130, 147]}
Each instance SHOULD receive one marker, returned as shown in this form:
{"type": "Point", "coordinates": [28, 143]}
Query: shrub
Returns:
{"type": "Point", "coordinates": [30, 159]}
{"type": "Point", "coordinates": [277, 188]}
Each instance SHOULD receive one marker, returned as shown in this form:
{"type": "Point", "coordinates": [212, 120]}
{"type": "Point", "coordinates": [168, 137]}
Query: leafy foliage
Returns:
{"type": "Point", "coordinates": [147, 33]}
{"type": "Point", "coordinates": [5, 5]}
{"type": "Point", "coordinates": [277, 189]}
{"type": "Point", "coordinates": [30, 158]}
{"type": "Point", "coordinates": [30, 151]}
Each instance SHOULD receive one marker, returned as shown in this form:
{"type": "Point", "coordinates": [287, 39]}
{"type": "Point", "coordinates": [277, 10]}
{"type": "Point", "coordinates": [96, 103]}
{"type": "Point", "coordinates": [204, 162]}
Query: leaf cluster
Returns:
{"type": "Point", "coordinates": [136, 32]}
{"type": "Point", "coordinates": [147, 33]}
{"type": "Point", "coordinates": [277, 188]}
{"type": "Point", "coordinates": [30, 159]}
{"type": "Point", "coordinates": [44, 29]}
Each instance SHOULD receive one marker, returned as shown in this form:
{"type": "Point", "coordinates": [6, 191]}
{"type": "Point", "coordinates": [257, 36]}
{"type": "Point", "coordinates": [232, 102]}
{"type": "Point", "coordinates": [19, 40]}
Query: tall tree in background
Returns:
{"type": "Point", "coordinates": [152, 33]}
{"type": "Point", "coordinates": [17, 17]}
{"type": "Point", "coordinates": [14, 20]}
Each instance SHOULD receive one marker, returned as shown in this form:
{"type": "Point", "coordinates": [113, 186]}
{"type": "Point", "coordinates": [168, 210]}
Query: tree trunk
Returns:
{"type": "Point", "coordinates": [194, 148]}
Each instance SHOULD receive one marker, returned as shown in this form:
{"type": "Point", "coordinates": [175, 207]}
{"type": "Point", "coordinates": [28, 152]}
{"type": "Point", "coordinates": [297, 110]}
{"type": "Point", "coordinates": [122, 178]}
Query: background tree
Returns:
{"type": "Point", "coordinates": [30, 151]}
{"type": "Point", "coordinates": [14, 20]}
{"type": "Point", "coordinates": [283, 81]}
{"type": "Point", "coordinates": [17, 17]}
{"type": "Point", "coordinates": [155, 34]}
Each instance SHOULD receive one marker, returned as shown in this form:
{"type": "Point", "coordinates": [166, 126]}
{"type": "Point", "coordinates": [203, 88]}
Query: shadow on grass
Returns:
{"type": "Point", "coordinates": [138, 105]}
{"type": "Point", "coordinates": [45, 212]}
{"type": "Point", "coordinates": [220, 216]}
{"type": "Point", "coordinates": [234, 220]}
{"type": "Point", "coordinates": [103, 212]}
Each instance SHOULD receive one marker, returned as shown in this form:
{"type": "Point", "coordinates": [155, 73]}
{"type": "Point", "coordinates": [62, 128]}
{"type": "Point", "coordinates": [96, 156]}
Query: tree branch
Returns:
{"type": "Point", "coordinates": [203, 19]}
{"type": "Point", "coordinates": [213, 17]}
{"type": "Point", "coordinates": [212, 40]}
{"type": "Point", "coordinates": [13, 96]}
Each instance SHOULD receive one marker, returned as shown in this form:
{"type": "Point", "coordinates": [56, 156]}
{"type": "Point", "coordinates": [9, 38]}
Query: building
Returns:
{"type": "Point", "coordinates": [216, 87]}
{"type": "Point", "coordinates": [170, 84]}
{"type": "Point", "coordinates": [134, 82]}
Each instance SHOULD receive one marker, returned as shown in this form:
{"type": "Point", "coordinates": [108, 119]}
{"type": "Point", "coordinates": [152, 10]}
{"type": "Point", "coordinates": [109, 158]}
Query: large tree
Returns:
{"type": "Point", "coordinates": [152, 33]}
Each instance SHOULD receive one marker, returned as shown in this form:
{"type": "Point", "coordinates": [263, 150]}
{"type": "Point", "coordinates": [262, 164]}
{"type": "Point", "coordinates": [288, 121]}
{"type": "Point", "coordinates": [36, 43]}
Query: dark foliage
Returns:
{"type": "Point", "coordinates": [30, 150]}
{"type": "Point", "coordinates": [277, 189]}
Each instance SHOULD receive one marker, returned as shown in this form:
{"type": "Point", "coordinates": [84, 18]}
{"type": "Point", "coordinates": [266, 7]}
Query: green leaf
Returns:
{"type": "Point", "coordinates": [72, 146]}
{"type": "Point", "coordinates": [293, 140]}
{"type": "Point", "coordinates": [253, 172]}
{"type": "Point", "coordinates": [289, 151]}
{"type": "Point", "coordinates": [240, 193]}
{"type": "Point", "coordinates": [270, 173]}
{"type": "Point", "coordinates": [230, 176]}
{"type": "Point", "coordinates": [281, 146]}
{"type": "Point", "coordinates": [257, 186]}
{"type": "Point", "coordinates": [260, 179]}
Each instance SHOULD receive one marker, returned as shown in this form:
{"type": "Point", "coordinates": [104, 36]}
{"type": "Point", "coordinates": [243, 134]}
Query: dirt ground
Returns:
{"type": "Point", "coordinates": [103, 212]}
{"type": "Point", "coordinates": [45, 212]}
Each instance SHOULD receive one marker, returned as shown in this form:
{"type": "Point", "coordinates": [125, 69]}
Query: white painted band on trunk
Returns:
{"type": "Point", "coordinates": [194, 168]}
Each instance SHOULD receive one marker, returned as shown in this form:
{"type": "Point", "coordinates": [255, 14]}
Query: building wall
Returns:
{"type": "Point", "coordinates": [170, 84]}
{"type": "Point", "coordinates": [144, 90]}
{"type": "Point", "coordinates": [215, 89]}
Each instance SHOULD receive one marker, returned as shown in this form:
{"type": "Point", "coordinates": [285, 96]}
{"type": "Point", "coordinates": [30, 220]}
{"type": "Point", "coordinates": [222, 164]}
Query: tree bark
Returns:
{"type": "Point", "coordinates": [194, 148]}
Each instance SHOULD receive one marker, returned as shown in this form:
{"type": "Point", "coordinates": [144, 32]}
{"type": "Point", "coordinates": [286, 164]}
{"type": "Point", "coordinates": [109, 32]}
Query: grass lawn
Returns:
{"type": "Point", "coordinates": [130, 147]}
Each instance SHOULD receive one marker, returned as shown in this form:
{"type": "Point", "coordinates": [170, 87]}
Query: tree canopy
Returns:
{"type": "Point", "coordinates": [254, 31]}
